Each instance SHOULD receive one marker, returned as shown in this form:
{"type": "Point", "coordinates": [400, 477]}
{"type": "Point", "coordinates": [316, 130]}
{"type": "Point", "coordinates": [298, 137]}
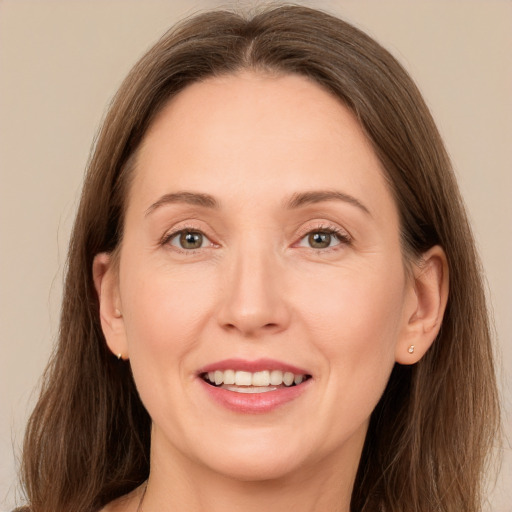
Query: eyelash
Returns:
{"type": "Point", "coordinates": [342, 236]}
{"type": "Point", "coordinates": [167, 238]}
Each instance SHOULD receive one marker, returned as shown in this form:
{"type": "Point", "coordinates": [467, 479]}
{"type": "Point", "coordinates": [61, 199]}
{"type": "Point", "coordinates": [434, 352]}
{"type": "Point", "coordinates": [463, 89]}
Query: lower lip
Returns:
{"type": "Point", "coordinates": [254, 403]}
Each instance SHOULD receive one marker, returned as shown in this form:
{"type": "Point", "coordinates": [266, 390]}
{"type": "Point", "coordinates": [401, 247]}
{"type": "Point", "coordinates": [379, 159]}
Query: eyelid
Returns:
{"type": "Point", "coordinates": [172, 233]}
{"type": "Point", "coordinates": [341, 234]}
{"type": "Point", "coordinates": [205, 242]}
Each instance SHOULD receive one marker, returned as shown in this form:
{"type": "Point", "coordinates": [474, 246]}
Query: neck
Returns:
{"type": "Point", "coordinates": [176, 483]}
{"type": "Point", "coordinates": [218, 494]}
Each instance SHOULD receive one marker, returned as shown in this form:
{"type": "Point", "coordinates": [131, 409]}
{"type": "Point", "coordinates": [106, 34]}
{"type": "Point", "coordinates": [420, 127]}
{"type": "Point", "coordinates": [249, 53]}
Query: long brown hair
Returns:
{"type": "Point", "coordinates": [88, 439]}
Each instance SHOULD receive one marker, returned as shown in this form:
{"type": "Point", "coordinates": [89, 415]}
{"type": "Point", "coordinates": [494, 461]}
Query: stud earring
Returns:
{"type": "Point", "coordinates": [117, 313]}
{"type": "Point", "coordinates": [411, 349]}
{"type": "Point", "coordinates": [119, 356]}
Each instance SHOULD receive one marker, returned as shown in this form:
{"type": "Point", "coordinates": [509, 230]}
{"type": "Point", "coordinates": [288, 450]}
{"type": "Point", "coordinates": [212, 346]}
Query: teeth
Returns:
{"type": "Point", "coordinates": [243, 378]}
{"type": "Point", "coordinates": [276, 377]}
{"type": "Point", "coordinates": [261, 379]}
{"type": "Point", "coordinates": [229, 377]}
{"type": "Point", "coordinates": [250, 389]}
{"type": "Point", "coordinates": [288, 378]}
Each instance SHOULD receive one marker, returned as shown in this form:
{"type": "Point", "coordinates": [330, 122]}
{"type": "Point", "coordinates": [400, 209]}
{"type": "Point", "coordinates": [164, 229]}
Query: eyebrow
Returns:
{"type": "Point", "coordinates": [317, 196]}
{"type": "Point", "coordinates": [192, 198]}
{"type": "Point", "coordinates": [297, 200]}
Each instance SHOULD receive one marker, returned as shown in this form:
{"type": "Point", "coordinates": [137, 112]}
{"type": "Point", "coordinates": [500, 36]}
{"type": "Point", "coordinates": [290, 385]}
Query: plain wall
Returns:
{"type": "Point", "coordinates": [60, 64]}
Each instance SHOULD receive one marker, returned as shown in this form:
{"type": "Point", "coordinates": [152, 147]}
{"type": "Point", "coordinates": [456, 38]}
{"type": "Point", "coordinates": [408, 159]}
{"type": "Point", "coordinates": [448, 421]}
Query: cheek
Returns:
{"type": "Point", "coordinates": [361, 307]}
{"type": "Point", "coordinates": [165, 313]}
{"type": "Point", "coordinates": [164, 309]}
{"type": "Point", "coordinates": [356, 320]}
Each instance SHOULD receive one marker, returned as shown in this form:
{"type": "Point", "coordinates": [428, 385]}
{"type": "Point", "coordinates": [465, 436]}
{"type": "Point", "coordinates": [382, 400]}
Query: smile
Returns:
{"type": "Point", "coordinates": [241, 381]}
{"type": "Point", "coordinates": [254, 387]}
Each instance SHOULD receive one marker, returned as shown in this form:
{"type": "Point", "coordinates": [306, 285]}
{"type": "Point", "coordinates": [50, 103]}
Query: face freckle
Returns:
{"type": "Point", "coordinates": [260, 231]}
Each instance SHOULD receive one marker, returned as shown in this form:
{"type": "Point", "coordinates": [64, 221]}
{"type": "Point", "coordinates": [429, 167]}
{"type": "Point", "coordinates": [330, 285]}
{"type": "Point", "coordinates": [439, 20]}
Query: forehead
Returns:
{"type": "Point", "coordinates": [257, 106]}
{"type": "Point", "coordinates": [259, 132]}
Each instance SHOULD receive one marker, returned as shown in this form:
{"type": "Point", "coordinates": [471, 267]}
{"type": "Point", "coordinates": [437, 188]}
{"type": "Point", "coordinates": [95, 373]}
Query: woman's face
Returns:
{"type": "Point", "coordinates": [261, 243]}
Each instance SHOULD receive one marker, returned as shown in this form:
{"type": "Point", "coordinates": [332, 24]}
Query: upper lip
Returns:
{"type": "Point", "coordinates": [257, 365]}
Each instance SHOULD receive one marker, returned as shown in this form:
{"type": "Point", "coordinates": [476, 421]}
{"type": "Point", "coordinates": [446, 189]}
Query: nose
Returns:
{"type": "Point", "coordinates": [253, 299]}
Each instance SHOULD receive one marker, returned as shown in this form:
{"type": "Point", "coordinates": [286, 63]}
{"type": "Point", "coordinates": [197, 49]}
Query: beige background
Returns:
{"type": "Point", "coordinates": [61, 62]}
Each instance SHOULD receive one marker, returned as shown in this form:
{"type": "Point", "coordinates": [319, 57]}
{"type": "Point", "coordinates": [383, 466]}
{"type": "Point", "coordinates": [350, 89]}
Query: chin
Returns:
{"type": "Point", "coordinates": [258, 469]}
{"type": "Point", "coordinates": [252, 456]}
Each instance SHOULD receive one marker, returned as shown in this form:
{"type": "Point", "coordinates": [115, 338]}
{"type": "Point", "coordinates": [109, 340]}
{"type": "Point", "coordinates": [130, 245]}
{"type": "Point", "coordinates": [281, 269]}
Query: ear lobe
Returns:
{"type": "Point", "coordinates": [112, 323]}
{"type": "Point", "coordinates": [430, 282]}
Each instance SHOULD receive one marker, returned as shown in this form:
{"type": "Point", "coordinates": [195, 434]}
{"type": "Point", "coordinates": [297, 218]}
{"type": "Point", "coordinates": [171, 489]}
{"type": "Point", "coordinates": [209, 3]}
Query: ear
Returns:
{"type": "Point", "coordinates": [425, 308]}
{"type": "Point", "coordinates": [106, 282]}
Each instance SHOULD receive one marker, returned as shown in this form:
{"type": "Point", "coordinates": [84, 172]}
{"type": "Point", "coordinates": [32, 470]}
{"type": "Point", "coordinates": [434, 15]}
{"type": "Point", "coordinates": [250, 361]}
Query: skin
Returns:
{"type": "Point", "coordinates": [256, 288]}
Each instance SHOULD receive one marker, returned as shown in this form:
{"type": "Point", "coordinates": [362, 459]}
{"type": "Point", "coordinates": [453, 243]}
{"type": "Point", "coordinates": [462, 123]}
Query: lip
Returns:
{"type": "Point", "coordinates": [257, 365]}
{"type": "Point", "coordinates": [253, 403]}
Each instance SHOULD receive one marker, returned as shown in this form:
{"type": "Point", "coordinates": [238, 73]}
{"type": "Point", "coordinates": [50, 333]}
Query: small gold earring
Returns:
{"type": "Point", "coordinates": [117, 313]}
{"type": "Point", "coordinates": [119, 356]}
{"type": "Point", "coordinates": [411, 349]}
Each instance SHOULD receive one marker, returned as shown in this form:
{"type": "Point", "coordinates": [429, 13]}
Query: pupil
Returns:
{"type": "Point", "coordinates": [190, 240]}
{"type": "Point", "coordinates": [320, 240]}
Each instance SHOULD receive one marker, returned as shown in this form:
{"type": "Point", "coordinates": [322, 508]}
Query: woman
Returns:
{"type": "Point", "coordinates": [273, 298]}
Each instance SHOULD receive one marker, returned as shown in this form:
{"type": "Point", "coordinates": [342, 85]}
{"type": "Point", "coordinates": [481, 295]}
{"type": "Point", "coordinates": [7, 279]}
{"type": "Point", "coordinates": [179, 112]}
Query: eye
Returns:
{"type": "Point", "coordinates": [319, 240]}
{"type": "Point", "coordinates": [188, 240]}
{"type": "Point", "coordinates": [323, 239]}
